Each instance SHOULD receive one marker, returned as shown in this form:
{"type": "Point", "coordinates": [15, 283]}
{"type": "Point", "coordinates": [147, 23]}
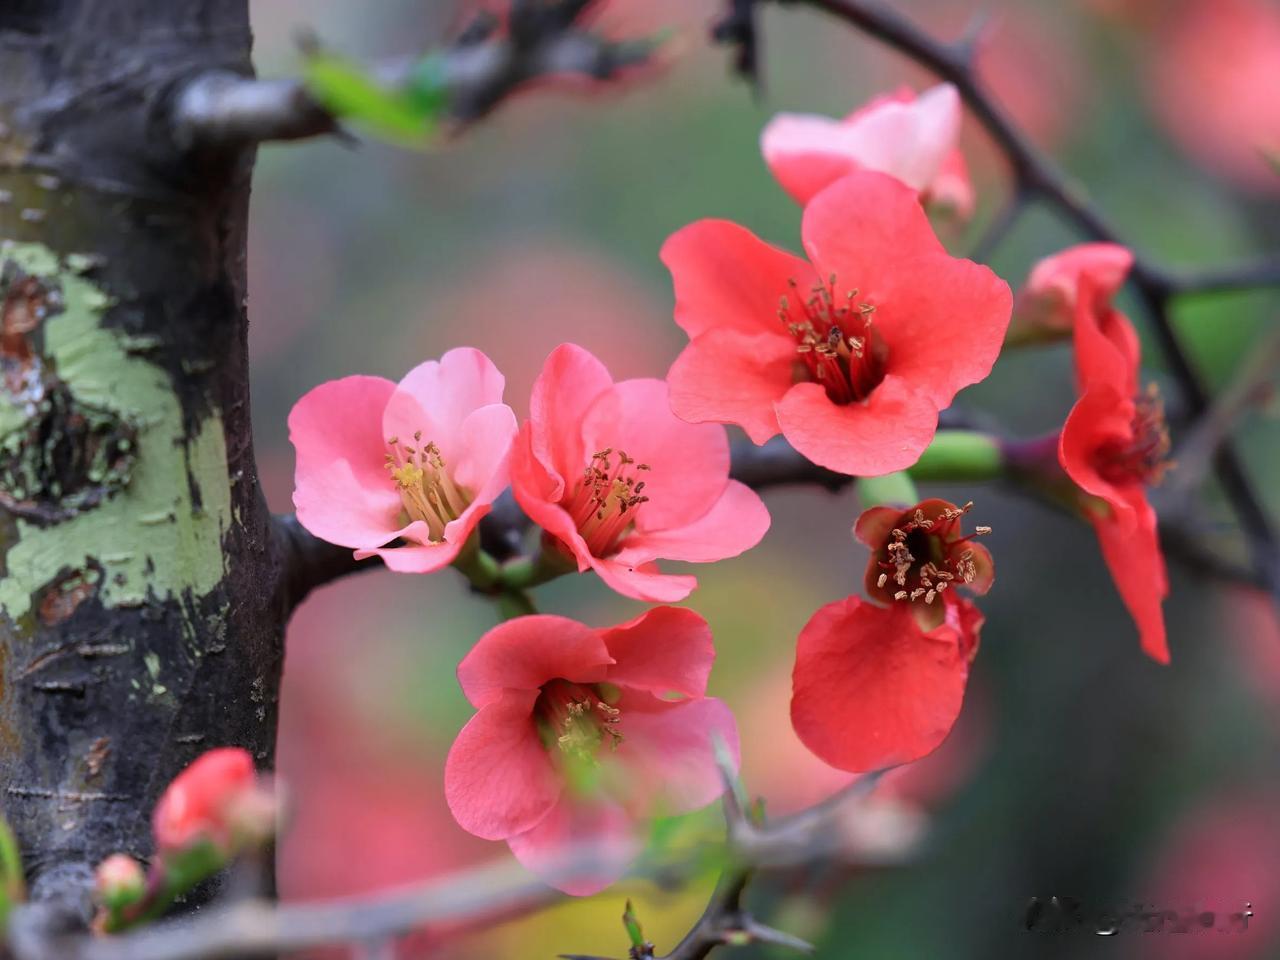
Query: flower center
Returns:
{"type": "Point", "coordinates": [607, 500]}
{"type": "Point", "coordinates": [576, 718]}
{"type": "Point", "coordinates": [837, 344]}
{"type": "Point", "coordinates": [925, 557]}
{"type": "Point", "coordinates": [427, 492]}
{"type": "Point", "coordinates": [1145, 458]}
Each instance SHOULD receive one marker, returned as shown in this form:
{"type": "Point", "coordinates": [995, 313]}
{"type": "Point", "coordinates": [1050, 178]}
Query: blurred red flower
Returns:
{"type": "Point", "coordinates": [582, 733]}
{"type": "Point", "coordinates": [850, 355]}
{"type": "Point", "coordinates": [1045, 307]}
{"type": "Point", "coordinates": [201, 803]}
{"type": "Point", "coordinates": [617, 481]}
{"type": "Point", "coordinates": [1215, 84]}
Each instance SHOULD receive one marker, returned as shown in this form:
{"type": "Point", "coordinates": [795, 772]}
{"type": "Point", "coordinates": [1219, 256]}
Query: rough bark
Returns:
{"type": "Point", "coordinates": [141, 615]}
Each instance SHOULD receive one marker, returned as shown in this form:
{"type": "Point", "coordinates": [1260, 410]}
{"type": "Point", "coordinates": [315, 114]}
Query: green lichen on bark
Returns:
{"type": "Point", "coordinates": [150, 535]}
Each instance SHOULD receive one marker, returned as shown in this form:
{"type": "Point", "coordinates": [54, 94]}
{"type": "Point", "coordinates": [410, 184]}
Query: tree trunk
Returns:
{"type": "Point", "coordinates": [141, 609]}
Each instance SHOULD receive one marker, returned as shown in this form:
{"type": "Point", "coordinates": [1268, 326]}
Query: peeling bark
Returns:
{"type": "Point", "coordinates": [141, 610]}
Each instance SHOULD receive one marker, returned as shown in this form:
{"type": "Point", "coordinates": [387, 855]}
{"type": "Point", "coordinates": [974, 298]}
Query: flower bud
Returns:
{"type": "Point", "coordinates": [119, 881]}
{"type": "Point", "coordinates": [201, 803]}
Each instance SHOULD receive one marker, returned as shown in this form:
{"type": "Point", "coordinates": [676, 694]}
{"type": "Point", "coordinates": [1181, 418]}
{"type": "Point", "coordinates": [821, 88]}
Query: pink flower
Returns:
{"type": "Point", "coordinates": [912, 139]}
{"type": "Point", "coordinates": [201, 803]}
{"type": "Point", "coordinates": [850, 355]}
{"type": "Point", "coordinates": [1046, 306]}
{"type": "Point", "coordinates": [420, 461]}
{"type": "Point", "coordinates": [580, 733]}
{"type": "Point", "coordinates": [617, 481]}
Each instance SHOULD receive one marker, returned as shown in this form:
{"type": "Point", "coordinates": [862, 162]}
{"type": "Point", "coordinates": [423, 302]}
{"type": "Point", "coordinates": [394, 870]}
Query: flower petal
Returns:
{"type": "Point", "coordinates": [664, 650]}
{"type": "Point", "coordinates": [886, 432]}
{"type": "Point", "coordinates": [1132, 554]}
{"type": "Point", "coordinates": [1101, 418]}
{"type": "Point", "coordinates": [482, 466]}
{"type": "Point", "coordinates": [727, 278]}
{"type": "Point", "coordinates": [580, 847]}
{"type": "Point", "coordinates": [498, 778]}
{"type": "Point", "coordinates": [341, 490]}
{"type": "Point", "coordinates": [734, 524]}
{"type": "Point", "coordinates": [435, 398]}
{"type": "Point", "coordinates": [643, 581]}
{"type": "Point", "coordinates": [803, 152]}
{"type": "Point", "coordinates": [870, 690]}
{"type": "Point", "coordinates": [944, 321]}
{"type": "Point", "coordinates": [725, 376]}
{"type": "Point", "coordinates": [570, 381]}
{"type": "Point", "coordinates": [669, 752]}
{"type": "Point", "coordinates": [689, 463]}
{"type": "Point", "coordinates": [525, 653]}
{"type": "Point", "coordinates": [862, 227]}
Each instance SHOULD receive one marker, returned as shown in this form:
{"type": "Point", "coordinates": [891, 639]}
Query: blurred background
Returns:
{"type": "Point", "coordinates": [1079, 766]}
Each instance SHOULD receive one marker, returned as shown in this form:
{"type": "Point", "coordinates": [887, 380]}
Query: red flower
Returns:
{"type": "Point", "coordinates": [852, 357]}
{"type": "Point", "coordinates": [617, 481]}
{"type": "Point", "coordinates": [872, 688]}
{"type": "Point", "coordinates": [1112, 446]}
{"type": "Point", "coordinates": [875, 686]}
{"type": "Point", "coordinates": [202, 802]}
{"type": "Point", "coordinates": [579, 733]}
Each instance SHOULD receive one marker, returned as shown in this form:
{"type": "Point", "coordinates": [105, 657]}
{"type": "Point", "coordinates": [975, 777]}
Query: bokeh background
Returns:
{"type": "Point", "coordinates": [1079, 767]}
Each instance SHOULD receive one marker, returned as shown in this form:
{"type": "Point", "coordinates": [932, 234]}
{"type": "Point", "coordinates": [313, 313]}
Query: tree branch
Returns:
{"type": "Point", "coordinates": [480, 70]}
{"type": "Point", "coordinates": [476, 898]}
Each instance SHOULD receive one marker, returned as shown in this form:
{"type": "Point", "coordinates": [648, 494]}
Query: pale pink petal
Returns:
{"type": "Point", "coordinates": [733, 525]}
{"type": "Point", "coordinates": [906, 139]}
{"type": "Point", "coordinates": [951, 191]}
{"type": "Point", "coordinates": [498, 778]}
{"type": "Point", "coordinates": [580, 847]}
{"type": "Point", "coordinates": [689, 463]}
{"type": "Point", "coordinates": [342, 492]}
{"type": "Point", "coordinates": [803, 153]}
{"type": "Point", "coordinates": [435, 398]}
{"type": "Point", "coordinates": [724, 376]}
{"type": "Point", "coordinates": [664, 650]}
{"type": "Point", "coordinates": [525, 653]}
{"type": "Point", "coordinates": [416, 557]}
{"type": "Point", "coordinates": [668, 752]}
{"type": "Point", "coordinates": [886, 432]}
{"type": "Point", "coordinates": [482, 467]}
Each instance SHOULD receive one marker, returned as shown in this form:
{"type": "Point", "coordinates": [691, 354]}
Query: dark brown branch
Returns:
{"type": "Point", "coordinates": [480, 70]}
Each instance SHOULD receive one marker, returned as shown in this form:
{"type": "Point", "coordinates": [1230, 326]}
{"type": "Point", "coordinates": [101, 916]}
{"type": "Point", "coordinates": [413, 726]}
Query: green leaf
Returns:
{"type": "Point", "coordinates": [635, 933]}
{"type": "Point", "coordinates": [406, 115]}
{"type": "Point", "coordinates": [13, 888]}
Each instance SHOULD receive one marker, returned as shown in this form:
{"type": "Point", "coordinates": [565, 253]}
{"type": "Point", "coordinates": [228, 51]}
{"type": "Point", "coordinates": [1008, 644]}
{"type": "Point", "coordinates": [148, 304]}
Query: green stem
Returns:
{"type": "Point", "coordinates": [896, 489]}
{"type": "Point", "coordinates": [515, 603]}
{"type": "Point", "coordinates": [530, 572]}
{"type": "Point", "coordinates": [959, 456]}
{"type": "Point", "coordinates": [478, 567]}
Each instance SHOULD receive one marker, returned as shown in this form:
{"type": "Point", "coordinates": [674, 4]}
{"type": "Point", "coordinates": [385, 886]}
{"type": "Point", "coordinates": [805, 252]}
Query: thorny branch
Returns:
{"type": "Point", "coordinates": [483, 67]}
{"type": "Point", "coordinates": [481, 896]}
